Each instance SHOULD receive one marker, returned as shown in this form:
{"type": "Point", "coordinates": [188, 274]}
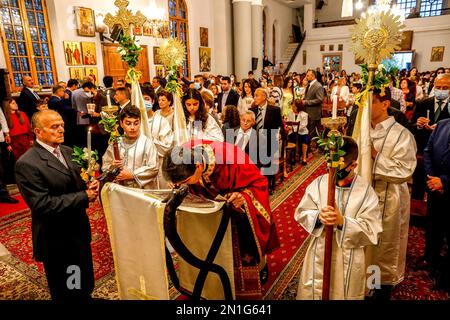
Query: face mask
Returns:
{"type": "Point", "coordinates": [148, 105]}
{"type": "Point", "coordinates": [197, 85]}
{"type": "Point", "coordinates": [342, 174]}
{"type": "Point", "coordinates": [441, 94]}
{"type": "Point", "coordinates": [89, 94]}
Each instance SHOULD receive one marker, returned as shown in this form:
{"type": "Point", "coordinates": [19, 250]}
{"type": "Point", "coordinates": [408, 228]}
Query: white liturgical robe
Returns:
{"type": "Point", "coordinates": [358, 204]}
{"type": "Point", "coordinates": [393, 168]}
{"type": "Point", "coordinates": [163, 138]}
{"type": "Point", "coordinates": [211, 132]}
{"type": "Point", "coordinates": [140, 157]}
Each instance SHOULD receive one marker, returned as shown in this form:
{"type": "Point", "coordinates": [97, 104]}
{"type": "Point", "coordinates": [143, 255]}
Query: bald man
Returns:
{"type": "Point", "coordinates": [51, 185]}
{"type": "Point", "coordinates": [28, 97]}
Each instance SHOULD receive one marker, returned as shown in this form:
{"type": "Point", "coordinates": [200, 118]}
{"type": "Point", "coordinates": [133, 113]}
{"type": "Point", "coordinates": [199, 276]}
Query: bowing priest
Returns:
{"type": "Point", "coordinates": [357, 223]}
{"type": "Point", "coordinates": [213, 169]}
{"type": "Point", "coordinates": [138, 154]}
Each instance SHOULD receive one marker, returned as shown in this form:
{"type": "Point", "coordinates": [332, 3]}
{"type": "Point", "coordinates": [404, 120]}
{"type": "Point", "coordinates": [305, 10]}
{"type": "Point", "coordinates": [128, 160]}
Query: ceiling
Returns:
{"type": "Point", "coordinates": [295, 3]}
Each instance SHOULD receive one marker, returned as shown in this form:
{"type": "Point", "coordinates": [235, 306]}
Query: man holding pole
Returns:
{"type": "Point", "coordinates": [394, 155]}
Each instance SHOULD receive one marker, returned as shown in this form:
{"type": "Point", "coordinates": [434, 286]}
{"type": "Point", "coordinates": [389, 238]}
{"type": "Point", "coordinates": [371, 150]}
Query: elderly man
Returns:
{"type": "Point", "coordinates": [436, 160]}
{"type": "Point", "coordinates": [268, 125]}
{"type": "Point", "coordinates": [50, 184]}
{"type": "Point", "coordinates": [28, 98]}
{"type": "Point", "coordinates": [246, 138]}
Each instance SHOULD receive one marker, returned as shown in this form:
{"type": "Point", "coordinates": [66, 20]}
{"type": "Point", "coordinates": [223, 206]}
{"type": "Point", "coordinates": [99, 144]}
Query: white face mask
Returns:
{"type": "Point", "coordinates": [148, 105]}
{"type": "Point", "coordinates": [88, 94]}
{"type": "Point", "coordinates": [441, 94]}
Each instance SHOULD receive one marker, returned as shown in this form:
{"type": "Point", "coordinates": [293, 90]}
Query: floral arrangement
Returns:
{"type": "Point", "coordinates": [332, 146]}
{"type": "Point", "coordinates": [130, 50]}
{"type": "Point", "coordinates": [81, 157]}
{"type": "Point", "coordinates": [172, 54]}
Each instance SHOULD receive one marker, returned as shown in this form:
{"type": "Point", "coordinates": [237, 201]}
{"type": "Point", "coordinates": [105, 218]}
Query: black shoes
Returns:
{"type": "Point", "coordinates": [8, 199]}
{"type": "Point", "coordinates": [304, 163]}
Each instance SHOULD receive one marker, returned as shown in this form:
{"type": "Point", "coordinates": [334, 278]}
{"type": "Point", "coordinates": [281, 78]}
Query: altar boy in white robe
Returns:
{"type": "Point", "coordinates": [394, 155]}
{"type": "Point", "coordinates": [357, 224]}
{"type": "Point", "coordinates": [138, 154]}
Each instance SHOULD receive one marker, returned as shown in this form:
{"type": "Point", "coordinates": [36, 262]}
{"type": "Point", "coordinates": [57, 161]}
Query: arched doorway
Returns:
{"type": "Point", "coordinates": [179, 28]}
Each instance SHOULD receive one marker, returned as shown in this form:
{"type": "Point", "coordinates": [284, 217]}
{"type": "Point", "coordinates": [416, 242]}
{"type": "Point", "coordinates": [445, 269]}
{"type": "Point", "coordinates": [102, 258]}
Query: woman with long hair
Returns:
{"type": "Point", "coordinates": [246, 99]}
{"type": "Point", "coordinates": [288, 96]}
{"type": "Point", "coordinates": [19, 128]}
{"type": "Point", "coordinates": [409, 92]}
{"type": "Point", "coordinates": [200, 124]}
{"type": "Point", "coordinates": [340, 94]}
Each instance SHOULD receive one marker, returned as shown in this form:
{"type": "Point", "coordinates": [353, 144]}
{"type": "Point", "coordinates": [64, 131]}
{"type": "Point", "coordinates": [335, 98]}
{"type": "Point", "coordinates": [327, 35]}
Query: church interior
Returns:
{"type": "Point", "coordinates": [348, 98]}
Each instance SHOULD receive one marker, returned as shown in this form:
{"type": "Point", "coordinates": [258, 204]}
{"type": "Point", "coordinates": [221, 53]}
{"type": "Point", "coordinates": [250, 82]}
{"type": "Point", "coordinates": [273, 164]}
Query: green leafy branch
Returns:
{"type": "Point", "coordinates": [332, 147]}
{"type": "Point", "coordinates": [110, 125]}
{"type": "Point", "coordinates": [129, 50]}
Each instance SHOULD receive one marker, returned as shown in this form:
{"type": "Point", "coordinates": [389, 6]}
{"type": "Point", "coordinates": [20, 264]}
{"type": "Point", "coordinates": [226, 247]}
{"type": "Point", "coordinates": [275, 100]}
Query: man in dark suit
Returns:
{"type": "Point", "coordinates": [228, 97]}
{"type": "Point", "coordinates": [436, 160]}
{"type": "Point", "coordinates": [313, 100]}
{"type": "Point", "coordinates": [28, 98]}
{"type": "Point", "coordinates": [51, 185]}
{"type": "Point", "coordinates": [72, 85]}
{"type": "Point", "coordinates": [157, 87]}
{"type": "Point", "coordinates": [268, 125]}
{"type": "Point", "coordinates": [426, 115]}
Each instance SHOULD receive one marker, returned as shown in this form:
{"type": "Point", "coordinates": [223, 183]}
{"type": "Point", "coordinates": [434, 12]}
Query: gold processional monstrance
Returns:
{"type": "Point", "coordinates": [375, 37]}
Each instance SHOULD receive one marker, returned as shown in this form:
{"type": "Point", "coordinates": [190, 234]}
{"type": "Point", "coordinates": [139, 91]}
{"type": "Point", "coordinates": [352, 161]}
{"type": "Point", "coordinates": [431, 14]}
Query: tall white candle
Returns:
{"type": "Point", "coordinates": [334, 110]}
{"type": "Point", "coordinates": [89, 146]}
{"type": "Point", "coordinates": [108, 98]}
{"type": "Point", "coordinates": [428, 114]}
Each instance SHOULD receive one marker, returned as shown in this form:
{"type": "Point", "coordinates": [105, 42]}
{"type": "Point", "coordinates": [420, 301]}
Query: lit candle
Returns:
{"type": "Point", "coordinates": [334, 110]}
{"type": "Point", "coordinates": [108, 98]}
{"type": "Point", "coordinates": [89, 147]}
{"type": "Point", "coordinates": [428, 114]}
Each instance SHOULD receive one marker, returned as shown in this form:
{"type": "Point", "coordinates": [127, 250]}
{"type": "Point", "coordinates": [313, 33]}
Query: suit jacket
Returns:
{"type": "Point", "coordinates": [251, 149]}
{"type": "Point", "coordinates": [232, 99]}
{"type": "Point", "coordinates": [314, 100]}
{"type": "Point", "coordinates": [436, 156]}
{"type": "Point", "coordinates": [422, 135]}
{"type": "Point", "coordinates": [267, 139]}
{"type": "Point", "coordinates": [57, 199]}
{"type": "Point", "coordinates": [27, 102]}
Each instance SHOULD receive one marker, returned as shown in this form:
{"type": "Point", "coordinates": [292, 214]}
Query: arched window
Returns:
{"type": "Point", "coordinates": [179, 28]}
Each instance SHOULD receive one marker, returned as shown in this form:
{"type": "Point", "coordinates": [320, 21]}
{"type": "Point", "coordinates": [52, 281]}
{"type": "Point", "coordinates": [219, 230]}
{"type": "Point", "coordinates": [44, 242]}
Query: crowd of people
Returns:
{"type": "Point", "coordinates": [260, 117]}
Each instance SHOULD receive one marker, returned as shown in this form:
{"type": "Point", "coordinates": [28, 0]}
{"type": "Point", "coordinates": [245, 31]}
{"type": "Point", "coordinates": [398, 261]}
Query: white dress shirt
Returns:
{"type": "Point", "coordinates": [56, 152]}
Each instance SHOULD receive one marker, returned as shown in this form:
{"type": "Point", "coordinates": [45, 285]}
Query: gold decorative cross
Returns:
{"type": "Point", "coordinates": [125, 17]}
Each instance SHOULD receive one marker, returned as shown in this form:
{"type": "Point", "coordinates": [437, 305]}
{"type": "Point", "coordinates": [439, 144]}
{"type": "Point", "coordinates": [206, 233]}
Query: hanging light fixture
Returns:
{"type": "Point", "coordinates": [359, 5]}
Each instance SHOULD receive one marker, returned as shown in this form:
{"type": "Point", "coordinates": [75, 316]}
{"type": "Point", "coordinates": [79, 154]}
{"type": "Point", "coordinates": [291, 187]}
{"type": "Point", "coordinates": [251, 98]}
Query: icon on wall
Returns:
{"type": "Point", "coordinates": [85, 21]}
{"type": "Point", "coordinates": [72, 52]}
{"type": "Point", "coordinates": [322, 47]}
{"type": "Point", "coordinates": [92, 72]}
{"type": "Point", "coordinates": [203, 37]}
{"type": "Point", "coordinates": [205, 59]}
{"type": "Point", "coordinates": [160, 71]}
{"type": "Point", "coordinates": [331, 47]}
{"type": "Point", "coordinates": [437, 54]}
{"type": "Point", "coordinates": [156, 58]}
{"type": "Point", "coordinates": [340, 47]}
{"type": "Point", "coordinates": [76, 73]}
{"type": "Point", "coordinates": [89, 53]}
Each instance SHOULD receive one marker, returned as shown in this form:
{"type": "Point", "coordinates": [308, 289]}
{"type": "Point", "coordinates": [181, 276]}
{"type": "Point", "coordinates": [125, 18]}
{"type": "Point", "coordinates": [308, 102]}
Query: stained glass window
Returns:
{"type": "Point", "coordinates": [28, 53]}
{"type": "Point", "coordinates": [179, 28]}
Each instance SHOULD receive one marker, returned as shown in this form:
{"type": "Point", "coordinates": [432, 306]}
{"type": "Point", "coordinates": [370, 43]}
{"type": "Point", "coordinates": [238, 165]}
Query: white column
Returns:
{"type": "Point", "coordinates": [242, 13]}
{"type": "Point", "coordinates": [310, 15]}
{"type": "Point", "coordinates": [257, 28]}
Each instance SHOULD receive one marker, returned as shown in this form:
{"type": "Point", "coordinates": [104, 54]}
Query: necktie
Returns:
{"type": "Point", "coordinates": [59, 156]}
{"type": "Point", "coordinates": [259, 119]}
{"type": "Point", "coordinates": [438, 111]}
{"type": "Point", "coordinates": [241, 142]}
{"type": "Point", "coordinates": [307, 89]}
{"type": "Point", "coordinates": [35, 95]}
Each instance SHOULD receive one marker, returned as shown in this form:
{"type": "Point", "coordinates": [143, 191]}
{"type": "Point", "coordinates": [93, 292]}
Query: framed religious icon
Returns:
{"type": "Point", "coordinates": [205, 59]}
{"type": "Point", "coordinates": [304, 57]}
{"type": "Point", "coordinates": [331, 47]}
{"type": "Point", "coordinates": [72, 52]}
{"type": "Point", "coordinates": [437, 54]}
{"type": "Point", "coordinates": [137, 31]}
{"type": "Point", "coordinates": [89, 53]}
{"type": "Point", "coordinates": [322, 47]}
{"type": "Point", "coordinates": [76, 73]}
{"type": "Point", "coordinates": [92, 72]}
{"type": "Point", "coordinates": [156, 59]}
{"type": "Point", "coordinates": [85, 21]}
{"type": "Point", "coordinates": [406, 43]}
{"type": "Point", "coordinates": [340, 47]}
{"type": "Point", "coordinates": [147, 29]}
{"type": "Point", "coordinates": [160, 71]}
{"type": "Point", "coordinates": [203, 37]}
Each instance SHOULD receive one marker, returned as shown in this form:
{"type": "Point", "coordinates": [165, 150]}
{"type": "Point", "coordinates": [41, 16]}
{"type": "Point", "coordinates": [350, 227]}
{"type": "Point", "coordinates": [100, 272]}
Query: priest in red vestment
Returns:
{"type": "Point", "coordinates": [221, 170]}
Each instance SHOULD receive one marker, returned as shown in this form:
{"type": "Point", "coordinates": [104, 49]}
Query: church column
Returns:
{"type": "Point", "coordinates": [257, 27]}
{"type": "Point", "coordinates": [242, 13]}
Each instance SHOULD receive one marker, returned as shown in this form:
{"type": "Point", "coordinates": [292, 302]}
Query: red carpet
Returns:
{"type": "Point", "coordinates": [7, 209]}
{"type": "Point", "coordinates": [15, 235]}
